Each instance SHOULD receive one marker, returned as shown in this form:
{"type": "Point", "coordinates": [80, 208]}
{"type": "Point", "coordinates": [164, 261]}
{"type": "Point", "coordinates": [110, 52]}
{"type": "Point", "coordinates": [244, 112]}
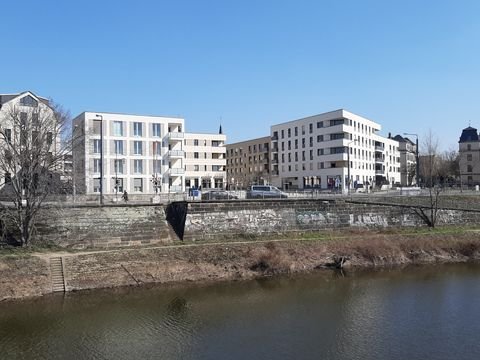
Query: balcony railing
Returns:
{"type": "Point", "coordinates": [379, 148]}
{"type": "Point", "coordinates": [175, 188]}
{"type": "Point", "coordinates": [176, 135]}
{"type": "Point", "coordinates": [176, 153]}
{"type": "Point", "coordinates": [379, 160]}
{"type": "Point", "coordinates": [176, 171]}
{"type": "Point", "coordinates": [379, 172]}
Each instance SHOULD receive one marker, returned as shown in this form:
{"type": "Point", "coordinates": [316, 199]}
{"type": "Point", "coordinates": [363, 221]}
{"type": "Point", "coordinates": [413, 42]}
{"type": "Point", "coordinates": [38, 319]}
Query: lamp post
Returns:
{"type": "Point", "coordinates": [348, 160]}
{"type": "Point", "coordinates": [101, 157]}
{"type": "Point", "coordinates": [417, 167]}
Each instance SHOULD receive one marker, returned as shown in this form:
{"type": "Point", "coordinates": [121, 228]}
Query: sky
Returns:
{"type": "Point", "coordinates": [410, 65]}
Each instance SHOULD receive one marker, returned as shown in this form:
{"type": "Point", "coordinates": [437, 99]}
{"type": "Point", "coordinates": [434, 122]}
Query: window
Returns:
{"type": "Point", "coordinates": [319, 124]}
{"type": "Point", "coordinates": [195, 142]}
{"type": "Point", "coordinates": [283, 134]}
{"type": "Point", "coordinates": [97, 146]}
{"type": "Point", "coordinates": [138, 185]}
{"type": "Point", "coordinates": [23, 120]}
{"type": "Point", "coordinates": [319, 138]}
{"type": "Point", "coordinates": [156, 130]}
{"type": "Point", "coordinates": [469, 168]}
{"type": "Point", "coordinates": [310, 128]}
{"type": "Point", "coordinates": [289, 132]}
{"type": "Point", "coordinates": [296, 143]}
{"type": "Point", "coordinates": [469, 147]}
{"type": "Point", "coordinates": [196, 168]}
{"type": "Point", "coordinates": [319, 152]}
{"type": "Point", "coordinates": [118, 128]}
{"type": "Point", "coordinates": [97, 165]}
{"type": "Point", "coordinates": [119, 185]}
{"type": "Point", "coordinates": [216, 168]}
{"type": "Point", "coordinates": [137, 148]}
{"type": "Point", "coordinates": [118, 144]}
{"type": "Point", "coordinates": [157, 166]}
{"type": "Point", "coordinates": [137, 129]}
{"type": "Point", "coordinates": [28, 101]}
{"type": "Point", "coordinates": [118, 166]}
{"type": "Point", "coordinates": [157, 148]}
{"type": "Point", "coordinates": [49, 138]}
{"type": "Point", "coordinates": [215, 143]}
{"type": "Point", "coordinates": [8, 177]}
{"type": "Point", "coordinates": [8, 135]}
{"type": "Point", "coordinates": [469, 157]}
{"type": "Point", "coordinates": [96, 185]}
{"type": "Point", "coordinates": [337, 122]}
{"type": "Point", "coordinates": [296, 130]}
{"type": "Point", "coordinates": [138, 166]}
{"type": "Point", "coordinates": [195, 155]}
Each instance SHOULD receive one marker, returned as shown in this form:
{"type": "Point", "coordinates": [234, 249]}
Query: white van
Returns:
{"type": "Point", "coordinates": [265, 191]}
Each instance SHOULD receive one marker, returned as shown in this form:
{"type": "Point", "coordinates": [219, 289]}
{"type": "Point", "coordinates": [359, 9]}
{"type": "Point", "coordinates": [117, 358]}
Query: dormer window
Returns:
{"type": "Point", "coordinates": [28, 101]}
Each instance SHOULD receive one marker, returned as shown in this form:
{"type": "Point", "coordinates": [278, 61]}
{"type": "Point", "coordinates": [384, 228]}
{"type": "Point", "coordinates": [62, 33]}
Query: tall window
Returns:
{"type": "Point", "coordinates": [118, 128]}
{"type": "Point", "coordinates": [96, 165]}
{"type": "Point", "coordinates": [118, 146]}
{"type": "Point", "coordinates": [195, 155]}
{"type": "Point", "coordinates": [156, 130]}
{"type": "Point", "coordinates": [137, 148]}
{"type": "Point", "coordinates": [137, 129]}
{"type": "Point", "coordinates": [138, 166]}
{"type": "Point", "coordinates": [8, 135]}
{"type": "Point", "coordinates": [96, 185]}
{"type": "Point", "coordinates": [157, 148]}
{"type": "Point", "coordinates": [97, 146]}
{"type": "Point", "coordinates": [157, 166]}
{"type": "Point", "coordinates": [118, 166]}
{"type": "Point", "coordinates": [138, 184]}
{"type": "Point", "coordinates": [195, 142]}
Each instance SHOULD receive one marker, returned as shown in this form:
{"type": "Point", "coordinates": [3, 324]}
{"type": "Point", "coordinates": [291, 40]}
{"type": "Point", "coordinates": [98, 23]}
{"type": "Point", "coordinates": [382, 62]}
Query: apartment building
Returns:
{"type": "Point", "coordinates": [408, 160]}
{"type": "Point", "coordinates": [205, 160]}
{"type": "Point", "coordinates": [141, 154]}
{"type": "Point", "coordinates": [469, 152]}
{"type": "Point", "coordinates": [27, 123]}
{"type": "Point", "coordinates": [332, 150]}
{"type": "Point", "coordinates": [248, 162]}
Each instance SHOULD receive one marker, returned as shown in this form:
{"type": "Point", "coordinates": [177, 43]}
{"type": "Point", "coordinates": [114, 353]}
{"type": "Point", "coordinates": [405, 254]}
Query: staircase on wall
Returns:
{"type": "Point", "coordinates": [56, 272]}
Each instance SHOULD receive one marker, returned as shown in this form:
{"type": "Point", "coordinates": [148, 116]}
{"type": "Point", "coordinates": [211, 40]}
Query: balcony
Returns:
{"type": "Point", "coordinates": [379, 148]}
{"type": "Point", "coordinates": [176, 188]}
{"type": "Point", "coordinates": [379, 172]}
{"type": "Point", "coordinates": [379, 160]}
{"type": "Point", "coordinates": [176, 153]}
{"type": "Point", "coordinates": [176, 136]}
{"type": "Point", "coordinates": [176, 171]}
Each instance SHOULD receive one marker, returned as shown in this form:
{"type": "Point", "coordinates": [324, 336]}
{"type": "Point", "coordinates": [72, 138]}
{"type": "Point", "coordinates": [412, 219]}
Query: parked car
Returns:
{"type": "Point", "coordinates": [217, 195]}
{"type": "Point", "coordinates": [265, 191]}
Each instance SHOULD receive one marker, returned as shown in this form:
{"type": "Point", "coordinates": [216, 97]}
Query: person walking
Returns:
{"type": "Point", "coordinates": [125, 196]}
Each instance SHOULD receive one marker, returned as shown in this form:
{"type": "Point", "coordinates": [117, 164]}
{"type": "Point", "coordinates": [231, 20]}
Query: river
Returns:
{"type": "Point", "coordinates": [430, 312]}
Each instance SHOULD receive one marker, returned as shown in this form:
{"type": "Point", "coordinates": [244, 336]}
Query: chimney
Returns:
{"type": "Point", "coordinates": [389, 135]}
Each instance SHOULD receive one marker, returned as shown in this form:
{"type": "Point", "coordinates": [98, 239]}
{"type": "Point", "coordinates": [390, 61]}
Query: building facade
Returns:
{"type": "Point", "coordinates": [28, 125]}
{"type": "Point", "coordinates": [205, 161]}
{"type": "Point", "coordinates": [248, 162]}
{"type": "Point", "coordinates": [141, 154]}
{"type": "Point", "coordinates": [332, 150]}
{"type": "Point", "coordinates": [144, 155]}
{"type": "Point", "coordinates": [408, 160]}
{"type": "Point", "coordinates": [469, 156]}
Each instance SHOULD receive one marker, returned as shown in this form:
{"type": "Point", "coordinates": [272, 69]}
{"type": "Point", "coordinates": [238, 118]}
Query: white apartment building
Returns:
{"type": "Point", "coordinates": [205, 160]}
{"type": "Point", "coordinates": [321, 150]}
{"type": "Point", "coordinates": [141, 154]}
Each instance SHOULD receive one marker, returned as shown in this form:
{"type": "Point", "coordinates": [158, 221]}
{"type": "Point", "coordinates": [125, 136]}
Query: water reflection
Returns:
{"type": "Point", "coordinates": [416, 313]}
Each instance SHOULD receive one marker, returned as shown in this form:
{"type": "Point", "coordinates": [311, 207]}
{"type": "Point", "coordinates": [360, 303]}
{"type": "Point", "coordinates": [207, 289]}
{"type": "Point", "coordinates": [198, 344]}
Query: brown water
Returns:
{"type": "Point", "coordinates": [416, 313]}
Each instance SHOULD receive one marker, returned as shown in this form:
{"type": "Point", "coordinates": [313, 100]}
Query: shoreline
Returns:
{"type": "Point", "coordinates": [27, 275]}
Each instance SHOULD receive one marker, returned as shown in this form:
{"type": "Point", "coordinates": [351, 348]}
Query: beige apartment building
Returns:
{"type": "Point", "coordinates": [205, 160]}
{"type": "Point", "coordinates": [248, 162]}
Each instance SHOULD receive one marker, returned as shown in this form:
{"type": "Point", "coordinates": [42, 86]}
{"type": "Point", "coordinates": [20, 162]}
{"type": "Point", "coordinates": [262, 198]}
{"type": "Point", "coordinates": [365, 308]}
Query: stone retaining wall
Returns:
{"type": "Point", "coordinates": [229, 220]}
{"type": "Point", "coordinates": [107, 226]}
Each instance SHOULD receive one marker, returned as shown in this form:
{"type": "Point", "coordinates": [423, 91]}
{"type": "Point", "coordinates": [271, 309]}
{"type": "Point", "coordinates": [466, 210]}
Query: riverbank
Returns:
{"type": "Point", "coordinates": [27, 273]}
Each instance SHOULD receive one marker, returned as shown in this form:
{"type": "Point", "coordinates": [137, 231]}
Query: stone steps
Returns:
{"type": "Point", "coordinates": [56, 274]}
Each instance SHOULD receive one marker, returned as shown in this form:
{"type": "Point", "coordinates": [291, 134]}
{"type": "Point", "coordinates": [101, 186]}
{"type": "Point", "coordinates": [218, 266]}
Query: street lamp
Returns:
{"type": "Point", "coordinates": [348, 160]}
{"type": "Point", "coordinates": [417, 170]}
{"type": "Point", "coordinates": [101, 157]}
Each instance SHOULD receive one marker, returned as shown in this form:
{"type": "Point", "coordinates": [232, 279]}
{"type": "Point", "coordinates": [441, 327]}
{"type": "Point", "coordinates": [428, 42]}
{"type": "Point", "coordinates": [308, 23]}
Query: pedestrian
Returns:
{"type": "Point", "coordinates": [125, 196]}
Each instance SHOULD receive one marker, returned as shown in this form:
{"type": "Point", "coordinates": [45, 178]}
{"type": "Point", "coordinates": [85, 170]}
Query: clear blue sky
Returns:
{"type": "Point", "coordinates": [409, 65]}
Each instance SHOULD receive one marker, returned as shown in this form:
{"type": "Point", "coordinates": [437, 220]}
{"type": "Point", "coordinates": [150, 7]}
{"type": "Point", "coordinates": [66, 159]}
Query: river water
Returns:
{"type": "Point", "coordinates": [416, 313]}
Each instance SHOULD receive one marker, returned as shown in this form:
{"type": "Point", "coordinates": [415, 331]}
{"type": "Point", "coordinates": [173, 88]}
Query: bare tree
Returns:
{"type": "Point", "coordinates": [32, 155]}
{"type": "Point", "coordinates": [430, 164]}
